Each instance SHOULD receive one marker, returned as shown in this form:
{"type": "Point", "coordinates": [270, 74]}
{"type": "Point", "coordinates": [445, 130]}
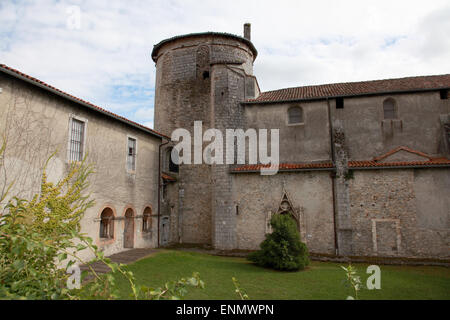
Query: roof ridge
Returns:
{"type": "Point", "coordinates": [354, 82]}
{"type": "Point", "coordinates": [157, 46]}
{"type": "Point", "coordinates": [352, 164]}
{"type": "Point", "coordinates": [355, 89]}
{"type": "Point", "coordinates": [69, 96]}
{"type": "Point", "coordinates": [399, 148]}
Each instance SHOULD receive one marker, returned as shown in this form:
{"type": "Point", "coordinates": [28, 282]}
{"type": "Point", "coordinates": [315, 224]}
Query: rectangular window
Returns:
{"type": "Point", "coordinates": [340, 103]}
{"type": "Point", "coordinates": [76, 147]}
{"type": "Point", "coordinates": [444, 94]}
{"type": "Point", "coordinates": [131, 158]}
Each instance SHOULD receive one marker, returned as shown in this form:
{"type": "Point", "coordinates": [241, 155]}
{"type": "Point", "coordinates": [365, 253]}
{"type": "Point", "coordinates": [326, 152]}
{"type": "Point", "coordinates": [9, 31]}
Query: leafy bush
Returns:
{"type": "Point", "coordinates": [39, 236]}
{"type": "Point", "coordinates": [282, 249]}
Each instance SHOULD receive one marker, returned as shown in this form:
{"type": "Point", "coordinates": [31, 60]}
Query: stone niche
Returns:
{"type": "Point", "coordinates": [250, 87]}
{"type": "Point", "coordinates": [386, 236]}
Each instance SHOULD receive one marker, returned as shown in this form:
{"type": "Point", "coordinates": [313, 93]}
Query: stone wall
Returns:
{"type": "Point", "coordinates": [305, 142]}
{"type": "Point", "coordinates": [202, 78]}
{"type": "Point", "coordinates": [206, 77]}
{"type": "Point", "coordinates": [256, 197]}
{"type": "Point", "coordinates": [418, 125]}
{"type": "Point", "coordinates": [403, 213]}
{"type": "Point", "coordinates": [228, 86]}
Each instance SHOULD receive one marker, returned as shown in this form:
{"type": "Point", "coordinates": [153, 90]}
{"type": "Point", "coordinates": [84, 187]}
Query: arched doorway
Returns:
{"type": "Point", "coordinates": [128, 231]}
{"type": "Point", "coordinates": [107, 224]}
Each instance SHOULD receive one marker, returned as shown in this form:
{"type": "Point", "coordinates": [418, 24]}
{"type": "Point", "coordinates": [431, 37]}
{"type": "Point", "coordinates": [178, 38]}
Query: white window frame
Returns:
{"type": "Point", "coordinates": [85, 121]}
{"type": "Point", "coordinates": [135, 155]}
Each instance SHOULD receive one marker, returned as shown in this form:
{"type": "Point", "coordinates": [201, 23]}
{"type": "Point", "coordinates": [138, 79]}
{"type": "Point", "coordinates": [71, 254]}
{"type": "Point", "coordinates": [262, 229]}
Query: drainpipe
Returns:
{"type": "Point", "coordinates": [333, 177]}
{"type": "Point", "coordinates": [159, 184]}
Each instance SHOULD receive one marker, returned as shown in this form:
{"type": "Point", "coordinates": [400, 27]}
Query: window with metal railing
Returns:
{"type": "Point", "coordinates": [76, 143]}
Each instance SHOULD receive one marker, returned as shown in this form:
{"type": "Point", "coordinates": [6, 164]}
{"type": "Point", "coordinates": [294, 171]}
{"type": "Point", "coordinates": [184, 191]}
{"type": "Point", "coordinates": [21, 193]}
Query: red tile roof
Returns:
{"type": "Point", "coordinates": [42, 84]}
{"type": "Point", "coordinates": [387, 154]}
{"type": "Point", "coordinates": [409, 84]}
{"type": "Point", "coordinates": [284, 166]}
{"type": "Point", "coordinates": [435, 162]}
{"type": "Point", "coordinates": [167, 177]}
{"type": "Point", "coordinates": [429, 163]}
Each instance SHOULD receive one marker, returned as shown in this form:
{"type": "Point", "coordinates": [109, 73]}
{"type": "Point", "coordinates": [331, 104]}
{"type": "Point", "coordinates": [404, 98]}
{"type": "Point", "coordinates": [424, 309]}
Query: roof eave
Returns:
{"type": "Point", "coordinates": [67, 97]}
{"type": "Point", "coordinates": [418, 166]}
{"type": "Point", "coordinates": [157, 46]}
{"type": "Point", "coordinates": [284, 170]}
{"type": "Point", "coordinates": [344, 96]}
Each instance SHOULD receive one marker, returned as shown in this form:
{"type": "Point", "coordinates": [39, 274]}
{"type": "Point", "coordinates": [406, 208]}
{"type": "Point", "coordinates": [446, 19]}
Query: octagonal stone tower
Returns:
{"type": "Point", "coordinates": [204, 77]}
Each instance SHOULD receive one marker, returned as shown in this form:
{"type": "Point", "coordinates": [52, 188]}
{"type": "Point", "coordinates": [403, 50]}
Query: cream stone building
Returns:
{"type": "Point", "coordinates": [364, 166]}
{"type": "Point", "coordinates": [38, 120]}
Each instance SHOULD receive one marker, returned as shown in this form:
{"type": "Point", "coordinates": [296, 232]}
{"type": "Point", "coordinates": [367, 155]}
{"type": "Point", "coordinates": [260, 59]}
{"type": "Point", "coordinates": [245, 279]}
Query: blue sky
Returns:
{"type": "Point", "coordinates": [107, 59]}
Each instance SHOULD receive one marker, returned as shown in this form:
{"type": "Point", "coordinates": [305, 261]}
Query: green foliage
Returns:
{"type": "Point", "coordinates": [352, 281]}
{"type": "Point", "coordinates": [37, 236]}
{"type": "Point", "coordinates": [40, 236]}
{"type": "Point", "coordinates": [282, 249]}
{"type": "Point", "coordinates": [242, 295]}
{"type": "Point", "coordinates": [173, 290]}
{"type": "Point", "coordinates": [349, 175]}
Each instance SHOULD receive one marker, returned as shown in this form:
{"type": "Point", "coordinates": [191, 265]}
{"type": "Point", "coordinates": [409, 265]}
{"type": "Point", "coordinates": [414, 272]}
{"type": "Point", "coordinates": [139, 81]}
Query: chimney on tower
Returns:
{"type": "Point", "coordinates": [247, 30]}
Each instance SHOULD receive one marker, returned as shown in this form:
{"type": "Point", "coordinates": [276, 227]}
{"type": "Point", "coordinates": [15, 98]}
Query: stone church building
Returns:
{"type": "Point", "coordinates": [364, 166]}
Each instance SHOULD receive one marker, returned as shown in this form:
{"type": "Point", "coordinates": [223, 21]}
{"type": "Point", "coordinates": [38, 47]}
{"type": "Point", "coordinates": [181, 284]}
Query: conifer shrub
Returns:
{"type": "Point", "coordinates": [282, 249]}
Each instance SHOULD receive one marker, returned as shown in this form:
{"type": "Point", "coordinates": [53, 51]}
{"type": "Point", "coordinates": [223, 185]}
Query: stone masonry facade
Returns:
{"type": "Point", "coordinates": [364, 167]}
{"type": "Point", "coordinates": [357, 183]}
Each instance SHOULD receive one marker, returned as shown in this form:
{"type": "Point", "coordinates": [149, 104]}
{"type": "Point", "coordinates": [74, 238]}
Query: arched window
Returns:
{"type": "Point", "coordinates": [107, 224]}
{"type": "Point", "coordinates": [295, 115]}
{"type": "Point", "coordinates": [173, 167]}
{"type": "Point", "coordinates": [389, 109]}
{"type": "Point", "coordinates": [147, 220]}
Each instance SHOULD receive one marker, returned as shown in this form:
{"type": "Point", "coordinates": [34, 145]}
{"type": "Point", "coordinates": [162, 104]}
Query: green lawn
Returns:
{"type": "Point", "coordinates": [322, 280]}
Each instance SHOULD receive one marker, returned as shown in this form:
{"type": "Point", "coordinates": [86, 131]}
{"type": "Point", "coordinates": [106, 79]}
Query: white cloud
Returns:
{"type": "Point", "coordinates": [108, 60]}
{"type": "Point", "coordinates": [144, 114]}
